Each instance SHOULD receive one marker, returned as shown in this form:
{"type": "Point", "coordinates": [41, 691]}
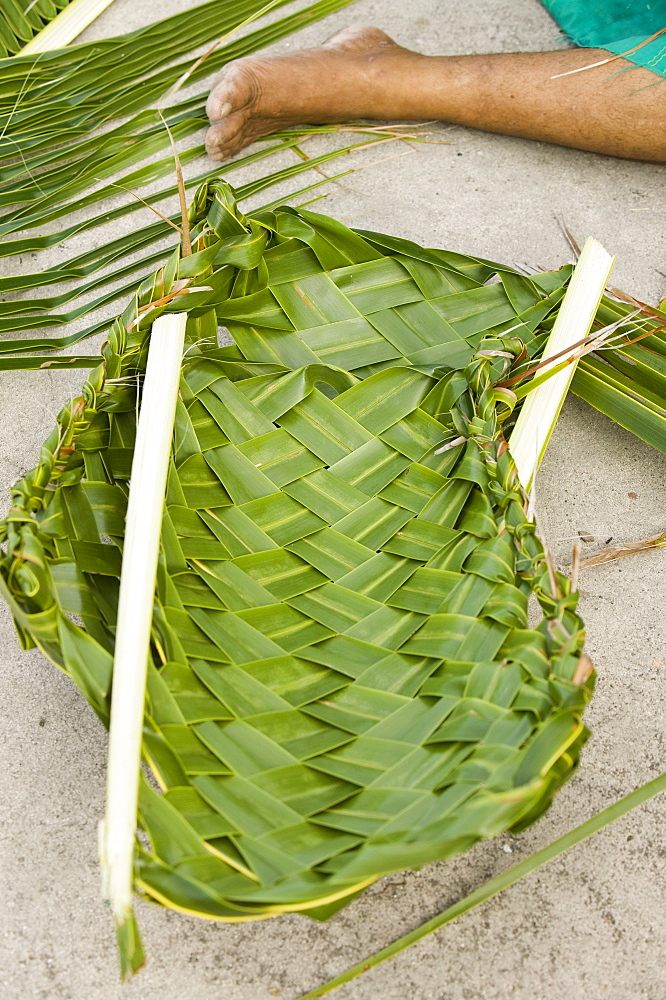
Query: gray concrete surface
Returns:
{"type": "Point", "coordinates": [590, 926]}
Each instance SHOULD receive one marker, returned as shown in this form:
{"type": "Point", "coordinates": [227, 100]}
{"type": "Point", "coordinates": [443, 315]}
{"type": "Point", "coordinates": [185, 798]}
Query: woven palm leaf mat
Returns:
{"type": "Point", "coordinates": [343, 681]}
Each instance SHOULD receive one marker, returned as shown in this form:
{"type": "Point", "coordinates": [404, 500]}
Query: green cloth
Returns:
{"type": "Point", "coordinates": [616, 25]}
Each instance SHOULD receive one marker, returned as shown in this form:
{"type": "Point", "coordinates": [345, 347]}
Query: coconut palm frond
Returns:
{"type": "Point", "coordinates": [38, 107]}
{"type": "Point", "coordinates": [622, 371]}
{"type": "Point", "coordinates": [49, 106]}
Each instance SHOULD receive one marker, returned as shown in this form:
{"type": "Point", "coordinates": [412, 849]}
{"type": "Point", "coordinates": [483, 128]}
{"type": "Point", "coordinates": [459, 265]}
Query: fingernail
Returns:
{"type": "Point", "coordinates": [225, 110]}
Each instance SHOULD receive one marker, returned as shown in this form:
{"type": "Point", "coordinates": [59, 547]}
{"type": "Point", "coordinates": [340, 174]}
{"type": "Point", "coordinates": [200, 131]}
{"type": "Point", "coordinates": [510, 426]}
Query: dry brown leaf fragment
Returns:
{"type": "Point", "coordinates": [618, 551]}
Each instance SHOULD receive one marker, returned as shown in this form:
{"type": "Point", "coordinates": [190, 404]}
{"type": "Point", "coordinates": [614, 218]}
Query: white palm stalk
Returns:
{"type": "Point", "coordinates": [66, 26]}
{"type": "Point", "coordinates": [135, 612]}
{"type": "Point", "coordinates": [541, 409]}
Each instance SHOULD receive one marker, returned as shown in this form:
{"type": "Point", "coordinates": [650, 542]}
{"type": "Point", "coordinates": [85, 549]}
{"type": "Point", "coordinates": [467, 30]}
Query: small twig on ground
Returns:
{"type": "Point", "coordinates": [628, 549]}
{"type": "Point", "coordinates": [575, 565]}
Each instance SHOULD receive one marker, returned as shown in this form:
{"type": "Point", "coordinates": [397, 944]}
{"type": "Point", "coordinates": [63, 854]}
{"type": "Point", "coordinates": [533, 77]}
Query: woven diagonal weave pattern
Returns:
{"type": "Point", "coordinates": [343, 680]}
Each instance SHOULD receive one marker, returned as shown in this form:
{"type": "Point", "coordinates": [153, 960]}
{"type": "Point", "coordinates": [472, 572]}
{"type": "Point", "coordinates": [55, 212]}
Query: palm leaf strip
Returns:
{"type": "Point", "coordinates": [546, 393]}
{"type": "Point", "coordinates": [343, 681]}
{"type": "Point", "coordinates": [143, 523]}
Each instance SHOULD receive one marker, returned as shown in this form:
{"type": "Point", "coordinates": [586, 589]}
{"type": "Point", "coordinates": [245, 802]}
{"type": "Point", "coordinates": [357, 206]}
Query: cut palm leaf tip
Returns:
{"type": "Point", "coordinates": [341, 682]}
{"type": "Point", "coordinates": [542, 406]}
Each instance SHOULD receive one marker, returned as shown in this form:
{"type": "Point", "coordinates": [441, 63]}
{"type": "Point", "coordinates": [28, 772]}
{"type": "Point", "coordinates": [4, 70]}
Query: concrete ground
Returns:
{"type": "Point", "coordinates": [589, 926]}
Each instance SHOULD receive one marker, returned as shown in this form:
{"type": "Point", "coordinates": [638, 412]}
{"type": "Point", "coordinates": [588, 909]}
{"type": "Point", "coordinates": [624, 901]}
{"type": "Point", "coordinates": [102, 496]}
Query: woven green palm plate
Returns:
{"type": "Point", "coordinates": [343, 680]}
